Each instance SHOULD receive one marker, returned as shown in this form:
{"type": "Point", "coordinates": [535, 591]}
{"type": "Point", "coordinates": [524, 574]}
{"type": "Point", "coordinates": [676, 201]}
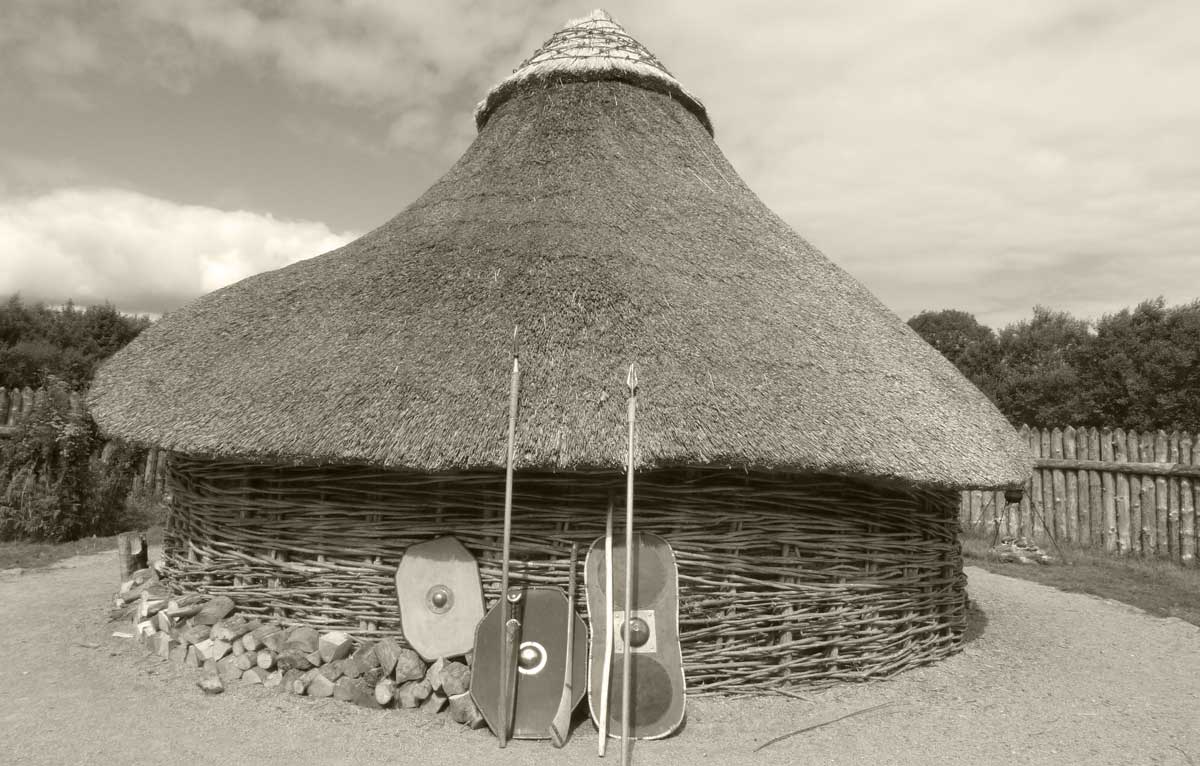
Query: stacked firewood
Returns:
{"type": "Point", "coordinates": [207, 633]}
{"type": "Point", "coordinates": [1021, 550]}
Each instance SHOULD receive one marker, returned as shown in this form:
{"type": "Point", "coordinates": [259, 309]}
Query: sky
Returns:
{"type": "Point", "coordinates": [980, 156]}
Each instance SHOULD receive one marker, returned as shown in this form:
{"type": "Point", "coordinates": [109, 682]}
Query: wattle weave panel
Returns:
{"type": "Point", "coordinates": [784, 580]}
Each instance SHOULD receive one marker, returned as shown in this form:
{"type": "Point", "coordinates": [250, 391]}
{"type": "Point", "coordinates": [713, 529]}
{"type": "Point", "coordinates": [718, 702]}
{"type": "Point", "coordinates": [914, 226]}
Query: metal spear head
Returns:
{"type": "Point", "coordinates": [631, 378]}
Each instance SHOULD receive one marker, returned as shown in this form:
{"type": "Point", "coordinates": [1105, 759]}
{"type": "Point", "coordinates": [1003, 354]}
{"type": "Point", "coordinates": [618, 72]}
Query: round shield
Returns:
{"type": "Point", "coordinates": [441, 600]}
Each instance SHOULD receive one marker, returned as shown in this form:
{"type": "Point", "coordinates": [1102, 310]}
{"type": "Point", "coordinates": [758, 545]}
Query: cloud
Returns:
{"type": "Point", "coordinates": [142, 254]}
{"type": "Point", "coordinates": [977, 156]}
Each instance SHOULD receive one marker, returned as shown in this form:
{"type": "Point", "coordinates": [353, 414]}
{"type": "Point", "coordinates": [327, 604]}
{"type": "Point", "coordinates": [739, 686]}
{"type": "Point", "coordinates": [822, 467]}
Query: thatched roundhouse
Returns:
{"type": "Point", "coordinates": [798, 445]}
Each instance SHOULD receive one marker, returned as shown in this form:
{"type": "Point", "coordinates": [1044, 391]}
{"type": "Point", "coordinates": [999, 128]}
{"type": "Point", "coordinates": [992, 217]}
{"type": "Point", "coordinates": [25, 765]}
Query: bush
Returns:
{"type": "Point", "coordinates": [53, 484]}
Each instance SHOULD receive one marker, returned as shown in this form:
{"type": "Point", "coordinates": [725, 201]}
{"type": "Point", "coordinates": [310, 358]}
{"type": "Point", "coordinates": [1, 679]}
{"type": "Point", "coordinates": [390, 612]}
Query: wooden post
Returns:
{"type": "Point", "coordinates": [1149, 523]}
{"type": "Point", "coordinates": [1191, 536]}
{"type": "Point", "coordinates": [1108, 492]}
{"type": "Point", "coordinates": [1046, 525]}
{"type": "Point", "coordinates": [1162, 522]}
{"type": "Point", "coordinates": [28, 399]}
{"type": "Point", "coordinates": [1187, 508]}
{"type": "Point", "coordinates": [129, 560]}
{"type": "Point", "coordinates": [1137, 508]}
{"type": "Point", "coordinates": [1037, 497]}
{"type": "Point", "coordinates": [1095, 491]}
{"type": "Point", "coordinates": [14, 407]}
{"type": "Point", "coordinates": [1058, 490]}
{"type": "Point", "coordinates": [3, 406]}
{"type": "Point", "coordinates": [1121, 455]}
{"type": "Point", "coordinates": [160, 472]}
{"type": "Point", "coordinates": [1083, 503]}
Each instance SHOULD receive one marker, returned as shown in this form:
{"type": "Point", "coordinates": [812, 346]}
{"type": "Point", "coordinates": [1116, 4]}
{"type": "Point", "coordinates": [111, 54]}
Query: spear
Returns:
{"type": "Point", "coordinates": [632, 382]}
{"type": "Point", "coordinates": [510, 637]}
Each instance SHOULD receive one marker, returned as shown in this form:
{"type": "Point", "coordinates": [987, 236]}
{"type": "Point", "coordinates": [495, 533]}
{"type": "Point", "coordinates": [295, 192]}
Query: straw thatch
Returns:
{"type": "Point", "coordinates": [595, 211]}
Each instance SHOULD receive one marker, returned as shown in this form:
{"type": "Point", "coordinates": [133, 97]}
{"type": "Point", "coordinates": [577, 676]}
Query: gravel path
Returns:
{"type": "Point", "coordinates": [1054, 678]}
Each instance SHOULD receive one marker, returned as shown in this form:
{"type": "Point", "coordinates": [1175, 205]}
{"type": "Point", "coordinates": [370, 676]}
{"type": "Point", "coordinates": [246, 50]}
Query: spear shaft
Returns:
{"type": "Point", "coordinates": [510, 626]}
{"type": "Point", "coordinates": [626, 667]}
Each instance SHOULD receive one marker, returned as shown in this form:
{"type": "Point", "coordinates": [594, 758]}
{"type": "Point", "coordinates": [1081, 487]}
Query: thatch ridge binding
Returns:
{"type": "Point", "coordinates": [592, 48]}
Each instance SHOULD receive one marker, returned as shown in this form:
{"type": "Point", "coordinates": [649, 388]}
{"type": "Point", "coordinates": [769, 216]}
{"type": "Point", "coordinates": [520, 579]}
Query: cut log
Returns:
{"type": "Point", "coordinates": [215, 610]}
{"type": "Point", "coordinates": [205, 649]}
{"type": "Point", "coordinates": [363, 659]}
{"type": "Point", "coordinates": [314, 659]}
{"type": "Point", "coordinates": [350, 668]}
{"type": "Point", "coordinates": [192, 660]}
{"type": "Point", "coordinates": [409, 666]}
{"type": "Point", "coordinates": [237, 648]}
{"type": "Point", "coordinates": [462, 709]}
{"type": "Point", "coordinates": [333, 670]}
{"type": "Point", "coordinates": [220, 649]}
{"type": "Point", "coordinates": [434, 674]}
{"type": "Point", "coordinates": [163, 644]}
{"type": "Point", "coordinates": [372, 676]}
{"type": "Point", "coordinates": [274, 641]}
{"type": "Point", "coordinates": [411, 693]}
{"type": "Point", "coordinates": [456, 678]}
{"type": "Point", "coordinates": [335, 645]}
{"type": "Point", "coordinates": [228, 669]}
{"type": "Point", "coordinates": [211, 680]}
{"type": "Point", "coordinates": [187, 605]}
{"type": "Point", "coordinates": [144, 629]}
{"type": "Point", "coordinates": [344, 689]}
{"type": "Point", "coordinates": [294, 681]}
{"type": "Point", "coordinates": [273, 680]}
{"type": "Point", "coordinates": [163, 622]}
{"type": "Point", "coordinates": [302, 639]}
{"type": "Point", "coordinates": [256, 675]}
{"type": "Point", "coordinates": [245, 660]}
{"type": "Point", "coordinates": [434, 703]}
{"type": "Point", "coordinates": [195, 634]}
{"type": "Point", "coordinates": [265, 659]}
{"type": "Point", "coordinates": [150, 605]}
{"type": "Point", "coordinates": [364, 695]}
{"type": "Point", "coordinates": [292, 659]}
{"type": "Point", "coordinates": [178, 651]}
{"type": "Point", "coordinates": [234, 627]}
{"type": "Point", "coordinates": [254, 639]}
{"type": "Point", "coordinates": [387, 651]}
{"type": "Point", "coordinates": [385, 691]}
{"type": "Point", "coordinates": [320, 686]}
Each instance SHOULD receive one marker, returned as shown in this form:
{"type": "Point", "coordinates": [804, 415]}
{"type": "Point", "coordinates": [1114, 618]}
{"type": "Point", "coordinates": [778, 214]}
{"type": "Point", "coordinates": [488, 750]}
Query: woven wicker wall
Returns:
{"type": "Point", "coordinates": [784, 580]}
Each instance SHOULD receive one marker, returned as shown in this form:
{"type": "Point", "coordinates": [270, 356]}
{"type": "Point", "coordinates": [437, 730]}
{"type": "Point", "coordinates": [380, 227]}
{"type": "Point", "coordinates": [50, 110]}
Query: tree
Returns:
{"type": "Point", "coordinates": [68, 343]}
{"type": "Point", "coordinates": [1142, 368]}
{"type": "Point", "coordinates": [970, 346]}
{"type": "Point", "coordinates": [1039, 383]}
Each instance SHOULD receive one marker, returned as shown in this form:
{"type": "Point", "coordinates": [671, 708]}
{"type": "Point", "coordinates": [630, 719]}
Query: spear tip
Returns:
{"type": "Point", "coordinates": [631, 377]}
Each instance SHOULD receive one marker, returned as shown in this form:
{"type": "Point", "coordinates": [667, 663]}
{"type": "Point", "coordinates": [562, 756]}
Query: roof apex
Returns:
{"type": "Point", "coordinates": [591, 48]}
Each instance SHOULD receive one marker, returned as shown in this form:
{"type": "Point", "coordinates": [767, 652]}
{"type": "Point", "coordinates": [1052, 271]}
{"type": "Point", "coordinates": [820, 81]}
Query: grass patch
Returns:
{"type": "Point", "coordinates": [1157, 586]}
{"type": "Point", "coordinates": [34, 555]}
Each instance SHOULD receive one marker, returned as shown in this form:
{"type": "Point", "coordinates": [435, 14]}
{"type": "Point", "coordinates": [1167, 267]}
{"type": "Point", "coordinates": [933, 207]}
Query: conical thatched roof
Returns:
{"type": "Point", "coordinates": [595, 211]}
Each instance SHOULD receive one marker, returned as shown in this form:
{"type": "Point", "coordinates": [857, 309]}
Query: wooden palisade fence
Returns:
{"type": "Point", "coordinates": [17, 404]}
{"type": "Point", "coordinates": [1126, 492]}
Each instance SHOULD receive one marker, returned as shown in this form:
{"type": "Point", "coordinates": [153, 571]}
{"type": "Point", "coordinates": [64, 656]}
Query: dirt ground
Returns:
{"type": "Point", "coordinates": [1054, 678]}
